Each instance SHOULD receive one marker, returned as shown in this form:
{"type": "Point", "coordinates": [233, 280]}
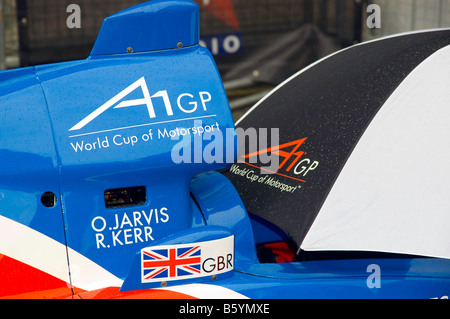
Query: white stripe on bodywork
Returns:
{"type": "Point", "coordinates": [37, 250]}
{"type": "Point", "coordinates": [48, 255]}
{"type": "Point", "coordinates": [206, 291]}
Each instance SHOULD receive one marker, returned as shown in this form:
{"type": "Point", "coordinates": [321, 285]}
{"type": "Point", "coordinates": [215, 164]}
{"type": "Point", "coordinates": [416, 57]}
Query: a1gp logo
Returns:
{"type": "Point", "coordinates": [286, 156]}
{"type": "Point", "coordinates": [186, 102]}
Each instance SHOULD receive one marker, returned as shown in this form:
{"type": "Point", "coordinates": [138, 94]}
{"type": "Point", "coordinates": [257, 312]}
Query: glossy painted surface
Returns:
{"type": "Point", "coordinates": [79, 128]}
{"type": "Point", "coordinates": [27, 154]}
{"type": "Point", "coordinates": [153, 110]}
{"type": "Point", "coordinates": [221, 206]}
{"type": "Point", "coordinates": [124, 147]}
{"type": "Point", "coordinates": [139, 28]}
{"type": "Point", "coordinates": [410, 278]}
{"type": "Point", "coordinates": [28, 168]}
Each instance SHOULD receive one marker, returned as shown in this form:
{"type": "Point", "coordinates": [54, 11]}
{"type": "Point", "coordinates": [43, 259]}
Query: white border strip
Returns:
{"type": "Point", "coordinates": [206, 291]}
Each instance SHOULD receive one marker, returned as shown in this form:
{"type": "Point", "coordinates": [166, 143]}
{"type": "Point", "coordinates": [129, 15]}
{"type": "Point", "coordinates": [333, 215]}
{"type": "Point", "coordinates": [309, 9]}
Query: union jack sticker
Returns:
{"type": "Point", "coordinates": [175, 262]}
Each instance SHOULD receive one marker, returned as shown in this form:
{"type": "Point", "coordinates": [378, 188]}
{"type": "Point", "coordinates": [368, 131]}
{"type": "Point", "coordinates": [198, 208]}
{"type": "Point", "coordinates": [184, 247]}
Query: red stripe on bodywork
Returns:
{"type": "Point", "coordinates": [20, 280]}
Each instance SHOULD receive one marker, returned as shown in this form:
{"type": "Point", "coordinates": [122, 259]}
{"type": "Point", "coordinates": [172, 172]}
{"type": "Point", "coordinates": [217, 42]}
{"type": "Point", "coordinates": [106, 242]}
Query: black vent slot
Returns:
{"type": "Point", "coordinates": [125, 197]}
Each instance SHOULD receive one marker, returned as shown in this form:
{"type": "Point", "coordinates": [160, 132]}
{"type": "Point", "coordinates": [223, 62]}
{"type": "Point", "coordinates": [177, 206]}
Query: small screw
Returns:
{"type": "Point", "coordinates": [129, 49]}
{"type": "Point", "coordinates": [179, 45]}
{"type": "Point", "coordinates": [163, 283]}
{"type": "Point", "coordinates": [214, 277]}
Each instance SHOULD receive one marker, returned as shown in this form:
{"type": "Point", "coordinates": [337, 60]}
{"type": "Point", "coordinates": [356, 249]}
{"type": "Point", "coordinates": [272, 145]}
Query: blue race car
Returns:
{"type": "Point", "coordinates": [124, 176]}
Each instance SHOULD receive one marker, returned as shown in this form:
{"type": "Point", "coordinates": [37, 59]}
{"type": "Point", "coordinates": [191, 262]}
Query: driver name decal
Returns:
{"type": "Point", "coordinates": [128, 227]}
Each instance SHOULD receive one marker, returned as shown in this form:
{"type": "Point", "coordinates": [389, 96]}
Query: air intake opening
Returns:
{"type": "Point", "coordinates": [124, 197]}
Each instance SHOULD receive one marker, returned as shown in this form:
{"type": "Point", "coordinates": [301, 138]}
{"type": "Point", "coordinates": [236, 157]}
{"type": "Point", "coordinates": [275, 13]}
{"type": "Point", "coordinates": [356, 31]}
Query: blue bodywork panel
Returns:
{"type": "Point", "coordinates": [161, 25]}
{"type": "Point", "coordinates": [29, 165]}
{"type": "Point", "coordinates": [126, 147]}
{"type": "Point", "coordinates": [154, 118]}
